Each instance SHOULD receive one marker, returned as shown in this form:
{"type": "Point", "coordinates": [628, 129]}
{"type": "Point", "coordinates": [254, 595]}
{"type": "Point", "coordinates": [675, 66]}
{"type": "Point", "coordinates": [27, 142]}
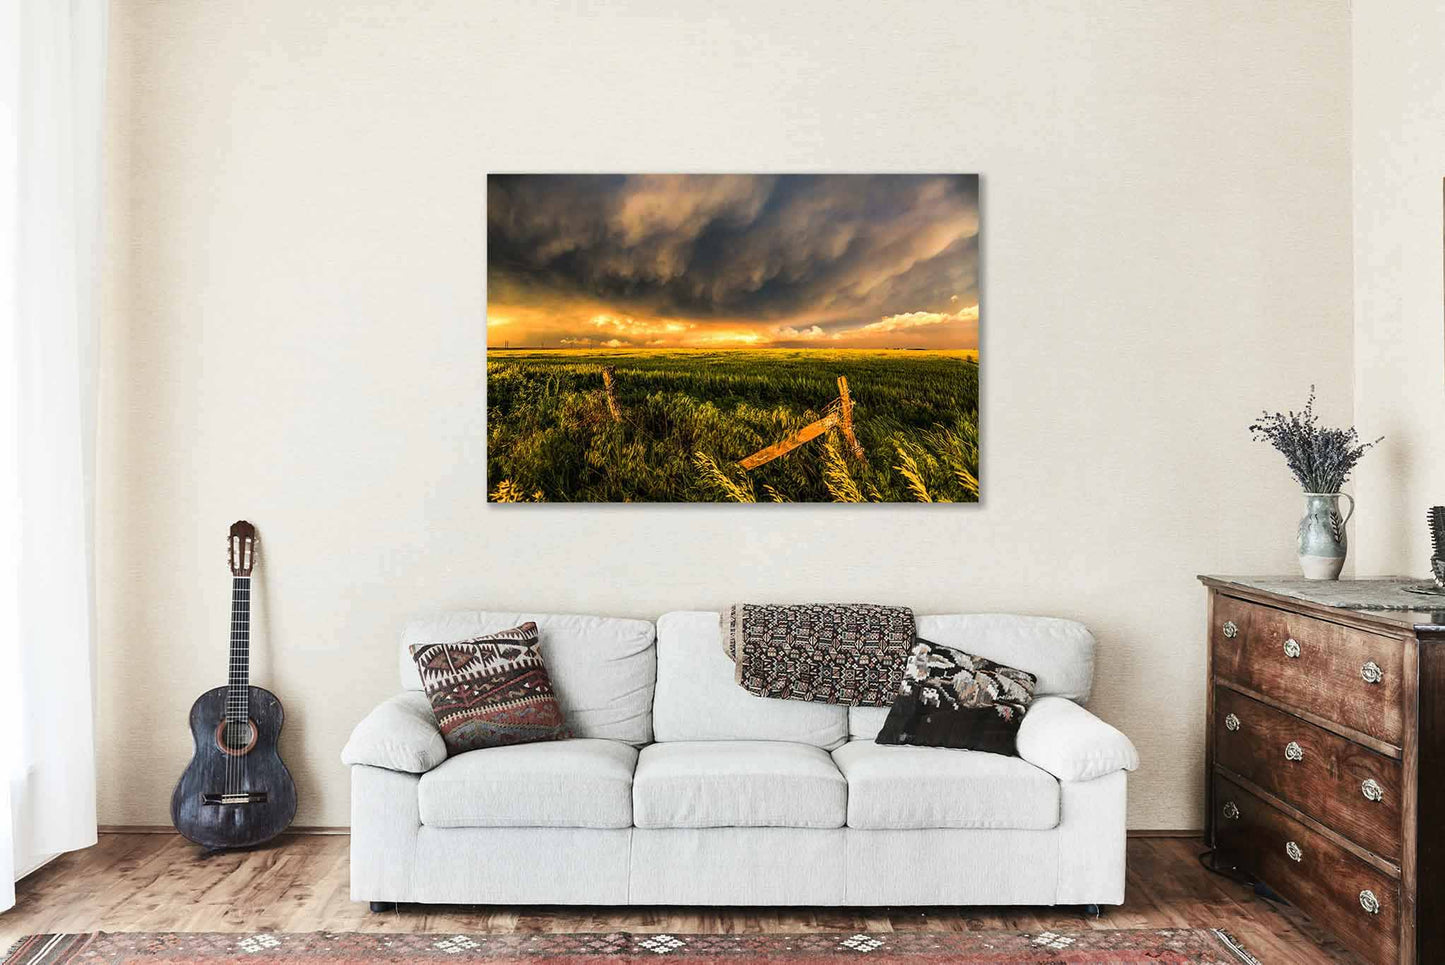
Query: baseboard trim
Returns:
{"type": "Point", "coordinates": [332, 829]}
{"type": "Point", "coordinates": [167, 829]}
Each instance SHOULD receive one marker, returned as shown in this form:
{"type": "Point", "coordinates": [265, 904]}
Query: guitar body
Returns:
{"type": "Point", "coordinates": [241, 773]}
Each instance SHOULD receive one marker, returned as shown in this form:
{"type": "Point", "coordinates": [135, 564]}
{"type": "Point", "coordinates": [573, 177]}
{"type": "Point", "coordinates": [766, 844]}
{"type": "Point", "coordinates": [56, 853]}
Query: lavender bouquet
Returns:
{"type": "Point", "coordinates": [1321, 458]}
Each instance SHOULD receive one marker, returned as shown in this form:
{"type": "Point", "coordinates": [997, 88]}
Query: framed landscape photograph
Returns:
{"type": "Point", "coordinates": [732, 338]}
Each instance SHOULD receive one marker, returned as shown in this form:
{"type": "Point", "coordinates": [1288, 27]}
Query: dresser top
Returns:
{"type": "Point", "coordinates": [1386, 601]}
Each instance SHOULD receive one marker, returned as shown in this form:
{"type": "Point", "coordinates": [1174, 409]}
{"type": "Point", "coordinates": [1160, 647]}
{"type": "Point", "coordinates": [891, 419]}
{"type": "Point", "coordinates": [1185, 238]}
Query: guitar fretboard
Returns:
{"type": "Point", "coordinates": [238, 680]}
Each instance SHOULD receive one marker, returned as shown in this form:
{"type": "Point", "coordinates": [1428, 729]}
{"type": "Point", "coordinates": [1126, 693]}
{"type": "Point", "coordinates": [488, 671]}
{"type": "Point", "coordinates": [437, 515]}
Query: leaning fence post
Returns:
{"type": "Point", "coordinates": [840, 418]}
{"type": "Point", "coordinates": [607, 373]}
{"type": "Point", "coordinates": [810, 431]}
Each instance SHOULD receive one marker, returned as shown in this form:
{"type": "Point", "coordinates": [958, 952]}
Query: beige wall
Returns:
{"type": "Point", "coordinates": [296, 333]}
{"type": "Point", "coordinates": [1399, 164]}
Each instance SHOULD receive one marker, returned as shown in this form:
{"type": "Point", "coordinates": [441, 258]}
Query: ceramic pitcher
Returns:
{"type": "Point", "coordinates": [1322, 543]}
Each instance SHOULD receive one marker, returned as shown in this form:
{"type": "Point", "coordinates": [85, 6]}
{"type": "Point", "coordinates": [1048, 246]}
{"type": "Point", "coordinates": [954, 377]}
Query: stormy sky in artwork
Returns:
{"type": "Point", "coordinates": [732, 261]}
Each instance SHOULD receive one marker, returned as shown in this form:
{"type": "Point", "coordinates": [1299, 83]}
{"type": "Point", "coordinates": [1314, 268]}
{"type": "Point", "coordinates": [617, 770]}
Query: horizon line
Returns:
{"type": "Point", "coordinates": [724, 348]}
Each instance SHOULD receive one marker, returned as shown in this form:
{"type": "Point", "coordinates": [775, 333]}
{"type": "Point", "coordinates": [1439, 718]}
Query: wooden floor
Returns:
{"type": "Point", "coordinates": [158, 882]}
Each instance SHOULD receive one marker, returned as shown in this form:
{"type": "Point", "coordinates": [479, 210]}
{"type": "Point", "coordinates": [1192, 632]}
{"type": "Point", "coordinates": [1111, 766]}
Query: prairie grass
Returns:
{"type": "Point", "coordinates": [688, 416]}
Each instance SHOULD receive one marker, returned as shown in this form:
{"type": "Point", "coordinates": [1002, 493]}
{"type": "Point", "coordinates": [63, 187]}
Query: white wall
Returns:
{"type": "Point", "coordinates": [1399, 189]}
{"type": "Point", "coordinates": [296, 333]}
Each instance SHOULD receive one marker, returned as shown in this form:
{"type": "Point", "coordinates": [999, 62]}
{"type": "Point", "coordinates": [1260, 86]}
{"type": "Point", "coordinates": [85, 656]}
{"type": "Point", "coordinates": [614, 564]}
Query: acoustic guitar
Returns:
{"type": "Point", "coordinates": [236, 792]}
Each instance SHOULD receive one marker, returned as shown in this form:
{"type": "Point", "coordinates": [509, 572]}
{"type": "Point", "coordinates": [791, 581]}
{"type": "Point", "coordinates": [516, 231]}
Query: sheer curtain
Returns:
{"type": "Point", "coordinates": [52, 54]}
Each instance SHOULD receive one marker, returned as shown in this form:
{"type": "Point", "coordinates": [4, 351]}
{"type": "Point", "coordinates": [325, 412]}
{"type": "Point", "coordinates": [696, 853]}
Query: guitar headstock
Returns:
{"type": "Point", "coordinates": [241, 548]}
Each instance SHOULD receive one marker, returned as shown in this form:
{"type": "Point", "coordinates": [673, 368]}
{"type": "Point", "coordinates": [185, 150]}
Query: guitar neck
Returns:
{"type": "Point", "coordinates": [238, 680]}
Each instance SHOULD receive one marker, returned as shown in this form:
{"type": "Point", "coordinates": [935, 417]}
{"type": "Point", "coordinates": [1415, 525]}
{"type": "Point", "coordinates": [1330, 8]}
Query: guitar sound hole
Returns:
{"type": "Point", "coordinates": [236, 737]}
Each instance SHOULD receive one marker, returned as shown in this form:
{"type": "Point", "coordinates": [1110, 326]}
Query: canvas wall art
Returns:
{"type": "Point", "coordinates": [732, 338]}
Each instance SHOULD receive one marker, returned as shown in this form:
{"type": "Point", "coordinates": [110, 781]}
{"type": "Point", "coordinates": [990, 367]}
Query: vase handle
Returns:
{"type": "Point", "coordinates": [1352, 509]}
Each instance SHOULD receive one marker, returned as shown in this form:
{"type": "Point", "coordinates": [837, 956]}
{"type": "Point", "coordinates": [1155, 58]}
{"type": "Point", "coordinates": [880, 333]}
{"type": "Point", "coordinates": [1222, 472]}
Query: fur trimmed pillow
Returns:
{"type": "Point", "coordinates": [953, 699]}
{"type": "Point", "coordinates": [491, 690]}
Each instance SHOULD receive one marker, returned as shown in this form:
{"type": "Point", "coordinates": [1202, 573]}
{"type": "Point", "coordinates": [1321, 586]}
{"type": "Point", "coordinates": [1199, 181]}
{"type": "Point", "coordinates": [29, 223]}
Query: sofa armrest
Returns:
{"type": "Point", "coordinates": [1072, 744]}
{"type": "Point", "coordinates": [400, 735]}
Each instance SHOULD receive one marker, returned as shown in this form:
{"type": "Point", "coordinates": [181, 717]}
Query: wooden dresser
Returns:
{"type": "Point", "coordinates": [1325, 755]}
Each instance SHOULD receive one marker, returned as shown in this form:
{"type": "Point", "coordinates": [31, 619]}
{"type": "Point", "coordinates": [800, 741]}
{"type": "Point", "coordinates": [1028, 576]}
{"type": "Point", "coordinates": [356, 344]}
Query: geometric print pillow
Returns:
{"type": "Point", "coordinates": [491, 690]}
{"type": "Point", "coordinates": [950, 698]}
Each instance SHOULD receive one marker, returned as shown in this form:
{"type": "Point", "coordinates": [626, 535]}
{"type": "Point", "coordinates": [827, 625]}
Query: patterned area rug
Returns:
{"type": "Point", "coordinates": [1175, 946]}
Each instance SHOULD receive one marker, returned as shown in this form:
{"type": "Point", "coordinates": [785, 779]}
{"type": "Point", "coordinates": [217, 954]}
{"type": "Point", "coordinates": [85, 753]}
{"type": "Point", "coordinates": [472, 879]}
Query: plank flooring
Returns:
{"type": "Point", "coordinates": [159, 882]}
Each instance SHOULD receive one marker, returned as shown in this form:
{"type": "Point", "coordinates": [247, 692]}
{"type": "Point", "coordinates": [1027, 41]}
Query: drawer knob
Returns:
{"type": "Point", "coordinates": [1371, 673]}
{"type": "Point", "coordinates": [1231, 810]}
{"type": "Point", "coordinates": [1371, 790]}
{"type": "Point", "coordinates": [1291, 648]}
{"type": "Point", "coordinates": [1231, 722]}
{"type": "Point", "coordinates": [1230, 629]}
{"type": "Point", "coordinates": [1294, 752]}
{"type": "Point", "coordinates": [1293, 850]}
{"type": "Point", "coordinates": [1369, 902]}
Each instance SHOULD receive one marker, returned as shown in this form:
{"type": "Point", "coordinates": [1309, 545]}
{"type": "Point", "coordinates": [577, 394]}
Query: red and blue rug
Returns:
{"type": "Point", "coordinates": [1167, 946]}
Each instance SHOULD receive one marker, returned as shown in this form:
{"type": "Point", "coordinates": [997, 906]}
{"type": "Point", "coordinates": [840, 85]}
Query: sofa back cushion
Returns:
{"type": "Point", "coordinates": [698, 698]}
{"type": "Point", "coordinates": [602, 668]}
{"type": "Point", "coordinates": [1060, 653]}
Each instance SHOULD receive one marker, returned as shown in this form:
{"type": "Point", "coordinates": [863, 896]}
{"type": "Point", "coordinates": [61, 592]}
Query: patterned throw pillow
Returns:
{"type": "Point", "coordinates": [953, 699]}
{"type": "Point", "coordinates": [491, 690]}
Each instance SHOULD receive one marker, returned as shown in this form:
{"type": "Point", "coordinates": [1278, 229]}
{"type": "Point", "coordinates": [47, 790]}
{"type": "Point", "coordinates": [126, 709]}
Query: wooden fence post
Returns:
{"type": "Point", "coordinates": [845, 417]}
{"type": "Point", "coordinates": [607, 375]}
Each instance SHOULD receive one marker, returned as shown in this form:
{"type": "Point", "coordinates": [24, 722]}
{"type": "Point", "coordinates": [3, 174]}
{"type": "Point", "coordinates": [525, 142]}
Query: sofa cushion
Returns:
{"type": "Point", "coordinates": [602, 668]}
{"type": "Point", "coordinates": [491, 690]}
{"type": "Point", "coordinates": [699, 700]}
{"type": "Point", "coordinates": [744, 784]}
{"type": "Point", "coordinates": [950, 698]}
{"type": "Point", "coordinates": [939, 787]}
{"type": "Point", "coordinates": [1059, 653]}
{"type": "Point", "coordinates": [584, 783]}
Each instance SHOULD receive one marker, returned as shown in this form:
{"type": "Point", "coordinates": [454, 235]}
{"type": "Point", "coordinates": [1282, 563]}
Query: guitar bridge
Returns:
{"type": "Point", "coordinates": [239, 797]}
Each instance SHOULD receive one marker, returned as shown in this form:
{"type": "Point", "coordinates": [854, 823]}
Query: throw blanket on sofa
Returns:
{"type": "Point", "coordinates": [829, 653]}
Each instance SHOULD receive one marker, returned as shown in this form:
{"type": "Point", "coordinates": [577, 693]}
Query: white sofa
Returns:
{"type": "Point", "coordinates": [681, 788]}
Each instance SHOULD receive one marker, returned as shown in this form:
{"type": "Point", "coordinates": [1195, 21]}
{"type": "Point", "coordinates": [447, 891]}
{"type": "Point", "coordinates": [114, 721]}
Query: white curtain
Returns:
{"type": "Point", "coordinates": [52, 54]}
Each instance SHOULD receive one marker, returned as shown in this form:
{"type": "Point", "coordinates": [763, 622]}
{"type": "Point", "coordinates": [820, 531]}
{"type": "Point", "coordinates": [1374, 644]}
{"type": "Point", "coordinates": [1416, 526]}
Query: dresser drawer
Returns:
{"type": "Point", "coordinates": [1347, 787]}
{"type": "Point", "coordinates": [1347, 676]}
{"type": "Point", "coordinates": [1354, 900]}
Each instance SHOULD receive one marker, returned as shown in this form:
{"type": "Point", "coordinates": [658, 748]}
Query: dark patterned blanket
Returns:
{"type": "Point", "coordinates": [832, 653]}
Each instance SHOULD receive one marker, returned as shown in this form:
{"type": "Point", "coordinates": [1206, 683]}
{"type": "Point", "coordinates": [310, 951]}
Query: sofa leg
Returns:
{"type": "Point", "coordinates": [380, 906]}
{"type": "Point", "coordinates": [1091, 910]}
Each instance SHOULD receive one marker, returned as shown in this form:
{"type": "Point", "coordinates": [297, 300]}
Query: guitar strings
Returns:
{"type": "Point", "coordinates": [239, 717]}
{"type": "Point", "coordinates": [230, 689]}
{"type": "Point", "coordinates": [244, 685]}
{"type": "Point", "coordinates": [234, 693]}
{"type": "Point", "coordinates": [231, 727]}
{"type": "Point", "coordinates": [230, 692]}
{"type": "Point", "coordinates": [235, 729]}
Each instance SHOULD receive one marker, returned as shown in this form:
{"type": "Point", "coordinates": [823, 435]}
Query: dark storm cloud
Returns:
{"type": "Point", "coordinates": [838, 251]}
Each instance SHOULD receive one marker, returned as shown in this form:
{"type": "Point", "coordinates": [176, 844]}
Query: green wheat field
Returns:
{"type": "Point", "coordinates": [689, 415]}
